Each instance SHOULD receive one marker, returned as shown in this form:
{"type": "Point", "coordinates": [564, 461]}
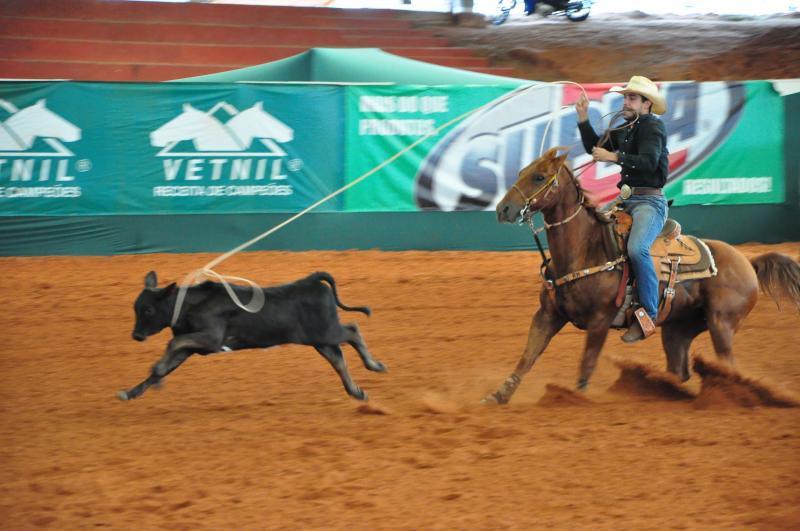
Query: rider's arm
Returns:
{"type": "Point", "coordinates": [590, 138]}
{"type": "Point", "coordinates": [650, 139]}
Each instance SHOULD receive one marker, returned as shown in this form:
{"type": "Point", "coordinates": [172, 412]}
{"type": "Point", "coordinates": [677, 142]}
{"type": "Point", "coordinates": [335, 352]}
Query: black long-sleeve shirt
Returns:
{"type": "Point", "coordinates": [642, 150]}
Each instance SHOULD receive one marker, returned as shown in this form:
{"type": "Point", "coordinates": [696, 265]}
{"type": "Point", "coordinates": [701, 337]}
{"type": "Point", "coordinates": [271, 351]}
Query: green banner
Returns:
{"type": "Point", "coordinates": [384, 120]}
{"type": "Point", "coordinates": [71, 148]}
{"type": "Point", "coordinates": [117, 148]}
{"type": "Point", "coordinates": [725, 142]}
{"type": "Point", "coordinates": [746, 165]}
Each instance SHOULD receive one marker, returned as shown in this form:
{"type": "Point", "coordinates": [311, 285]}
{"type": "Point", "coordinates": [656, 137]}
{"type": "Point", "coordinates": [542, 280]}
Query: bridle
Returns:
{"type": "Point", "coordinates": [549, 186]}
{"type": "Point", "coordinates": [527, 211]}
{"type": "Point", "coordinates": [527, 217]}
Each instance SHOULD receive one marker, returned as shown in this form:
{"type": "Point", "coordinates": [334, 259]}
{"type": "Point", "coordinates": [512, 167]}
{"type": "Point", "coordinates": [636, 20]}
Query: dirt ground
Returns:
{"type": "Point", "coordinates": [608, 48]}
{"type": "Point", "coordinates": [268, 439]}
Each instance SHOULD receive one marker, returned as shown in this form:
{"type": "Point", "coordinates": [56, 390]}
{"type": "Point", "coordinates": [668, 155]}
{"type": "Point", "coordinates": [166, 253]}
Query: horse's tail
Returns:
{"type": "Point", "coordinates": [778, 276]}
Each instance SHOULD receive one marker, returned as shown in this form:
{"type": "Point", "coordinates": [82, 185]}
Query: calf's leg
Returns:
{"type": "Point", "coordinates": [178, 350]}
{"type": "Point", "coordinates": [334, 355]}
{"type": "Point", "coordinates": [354, 338]}
{"type": "Point", "coordinates": [153, 379]}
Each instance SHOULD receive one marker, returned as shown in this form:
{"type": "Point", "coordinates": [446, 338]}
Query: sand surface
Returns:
{"type": "Point", "coordinates": [268, 439]}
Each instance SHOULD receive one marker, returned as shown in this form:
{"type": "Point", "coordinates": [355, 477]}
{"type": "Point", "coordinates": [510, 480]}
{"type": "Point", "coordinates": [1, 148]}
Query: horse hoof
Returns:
{"type": "Point", "coordinates": [361, 395]}
{"type": "Point", "coordinates": [123, 395]}
{"type": "Point", "coordinates": [493, 400]}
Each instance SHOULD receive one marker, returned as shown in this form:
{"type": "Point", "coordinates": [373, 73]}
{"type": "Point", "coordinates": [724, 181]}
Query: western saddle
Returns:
{"type": "Point", "coordinates": [676, 257]}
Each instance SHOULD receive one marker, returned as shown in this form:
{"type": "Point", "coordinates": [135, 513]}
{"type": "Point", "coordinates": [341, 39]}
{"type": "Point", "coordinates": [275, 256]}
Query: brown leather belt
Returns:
{"type": "Point", "coordinates": [644, 190]}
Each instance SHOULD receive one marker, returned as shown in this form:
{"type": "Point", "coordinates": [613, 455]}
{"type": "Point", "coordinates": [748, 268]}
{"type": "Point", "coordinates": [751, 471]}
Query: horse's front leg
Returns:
{"type": "Point", "coordinates": [546, 323]}
{"type": "Point", "coordinates": [595, 338]}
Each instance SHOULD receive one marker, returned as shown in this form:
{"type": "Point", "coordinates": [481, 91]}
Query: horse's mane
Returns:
{"type": "Point", "coordinates": [587, 203]}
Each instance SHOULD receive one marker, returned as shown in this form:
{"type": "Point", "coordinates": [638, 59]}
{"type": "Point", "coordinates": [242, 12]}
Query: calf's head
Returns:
{"type": "Point", "coordinates": [153, 308]}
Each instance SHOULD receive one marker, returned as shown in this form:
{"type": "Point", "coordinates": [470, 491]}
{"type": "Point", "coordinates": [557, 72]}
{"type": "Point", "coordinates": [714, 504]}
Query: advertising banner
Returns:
{"type": "Point", "coordinates": [725, 142]}
{"type": "Point", "coordinates": [383, 120]}
{"type": "Point", "coordinates": [73, 148]}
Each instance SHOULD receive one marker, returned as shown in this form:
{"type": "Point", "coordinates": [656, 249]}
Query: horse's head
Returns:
{"type": "Point", "coordinates": [255, 122]}
{"type": "Point", "coordinates": [41, 121]}
{"type": "Point", "coordinates": [185, 126]}
{"type": "Point", "coordinates": [537, 187]}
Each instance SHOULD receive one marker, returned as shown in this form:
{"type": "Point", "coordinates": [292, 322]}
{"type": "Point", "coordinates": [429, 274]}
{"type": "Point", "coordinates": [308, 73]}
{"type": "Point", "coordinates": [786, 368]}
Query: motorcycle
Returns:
{"type": "Point", "coordinates": [575, 10]}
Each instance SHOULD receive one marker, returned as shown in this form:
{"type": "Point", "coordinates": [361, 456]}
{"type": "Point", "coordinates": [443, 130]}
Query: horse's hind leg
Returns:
{"type": "Point", "coordinates": [354, 339]}
{"type": "Point", "coordinates": [722, 326]}
{"type": "Point", "coordinates": [676, 337]}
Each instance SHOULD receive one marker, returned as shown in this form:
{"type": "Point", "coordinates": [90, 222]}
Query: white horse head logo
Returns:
{"type": "Point", "coordinates": [209, 134]}
{"type": "Point", "coordinates": [255, 122]}
{"type": "Point", "coordinates": [204, 130]}
{"type": "Point", "coordinates": [23, 127]}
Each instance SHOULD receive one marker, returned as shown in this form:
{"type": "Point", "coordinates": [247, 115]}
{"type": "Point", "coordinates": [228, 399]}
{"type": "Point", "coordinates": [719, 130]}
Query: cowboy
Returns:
{"type": "Point", "coordinates": [640, 148]}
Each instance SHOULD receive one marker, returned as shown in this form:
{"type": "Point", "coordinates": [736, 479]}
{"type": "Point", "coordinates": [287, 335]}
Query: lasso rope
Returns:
{"type": "Point", "coordinates": [257, 301]}
{"type": "Point", "coordinates": [608, 131]}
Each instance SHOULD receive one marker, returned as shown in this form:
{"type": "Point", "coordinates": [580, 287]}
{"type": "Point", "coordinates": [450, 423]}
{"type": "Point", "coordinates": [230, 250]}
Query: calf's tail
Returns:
{"type": "Point", "coordinates": [321, 275]}
{"type": "Point", "coordinates": [778, 276]}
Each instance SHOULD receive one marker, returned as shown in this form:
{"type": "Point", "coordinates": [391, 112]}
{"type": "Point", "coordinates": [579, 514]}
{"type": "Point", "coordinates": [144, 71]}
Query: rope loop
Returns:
{"type": "Point", "coordinates": [254, 306]}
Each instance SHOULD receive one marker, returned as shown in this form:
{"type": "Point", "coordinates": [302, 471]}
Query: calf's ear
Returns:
{"type": "Point", "coordinates": [166, 292]}
{"type": "Point", "coordinates": [150, 280]}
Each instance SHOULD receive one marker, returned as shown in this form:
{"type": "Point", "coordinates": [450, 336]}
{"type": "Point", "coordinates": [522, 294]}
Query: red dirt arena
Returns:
{"type": "Point", "coordinates": [269, 439]}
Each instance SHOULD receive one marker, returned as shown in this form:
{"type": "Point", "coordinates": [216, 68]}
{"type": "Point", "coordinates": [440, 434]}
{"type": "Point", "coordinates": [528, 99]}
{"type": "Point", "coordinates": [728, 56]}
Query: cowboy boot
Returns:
{"type": "Point", "coordinates": [642, 327]}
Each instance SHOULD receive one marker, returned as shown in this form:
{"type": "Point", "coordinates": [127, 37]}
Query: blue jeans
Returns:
{"type": "Point", "coordinates": [649, 213]}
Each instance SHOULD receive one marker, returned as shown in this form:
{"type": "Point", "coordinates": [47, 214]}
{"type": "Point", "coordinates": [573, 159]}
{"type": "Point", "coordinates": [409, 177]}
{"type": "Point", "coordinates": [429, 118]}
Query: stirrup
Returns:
{"type": "Point", "coordinates": [642, 328]}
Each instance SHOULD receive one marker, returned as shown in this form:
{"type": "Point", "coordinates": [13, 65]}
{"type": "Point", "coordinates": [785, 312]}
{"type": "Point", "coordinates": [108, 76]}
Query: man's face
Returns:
{"type": "Point", "coordinates": [634, 104]}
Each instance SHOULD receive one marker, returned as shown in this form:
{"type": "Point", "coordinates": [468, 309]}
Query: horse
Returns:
{"type": "Point", "coordinates": [21, 129]}
{"type": "Point", "coordinates": [255, 122]}
{"type": "Point", "coordinates": [575, 236]}
{"type": "Point", "coordinates": [207, 133]}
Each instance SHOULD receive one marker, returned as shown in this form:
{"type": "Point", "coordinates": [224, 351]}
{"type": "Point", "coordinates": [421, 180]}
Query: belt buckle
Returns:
{"type": "Point", "coordinates": [625, 191]}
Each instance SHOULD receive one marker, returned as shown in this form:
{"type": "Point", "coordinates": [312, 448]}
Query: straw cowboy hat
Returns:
{"type": "Point", "coordinates": [644, 87]}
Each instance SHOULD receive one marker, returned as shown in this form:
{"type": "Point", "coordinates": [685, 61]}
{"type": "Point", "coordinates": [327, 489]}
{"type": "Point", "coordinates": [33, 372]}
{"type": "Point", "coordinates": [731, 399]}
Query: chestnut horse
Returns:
{"type": "Point", "coordinates": [575, 237]}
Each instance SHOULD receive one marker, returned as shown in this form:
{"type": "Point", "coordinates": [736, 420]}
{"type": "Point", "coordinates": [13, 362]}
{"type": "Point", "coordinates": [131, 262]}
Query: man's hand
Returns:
{"type": "Point", "coordinates": [582, 108]}
{"type": "Point", "coordinates": [603, 155]}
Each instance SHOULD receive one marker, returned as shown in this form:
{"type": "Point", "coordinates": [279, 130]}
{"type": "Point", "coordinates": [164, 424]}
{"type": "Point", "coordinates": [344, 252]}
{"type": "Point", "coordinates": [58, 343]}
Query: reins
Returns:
{"type": "Point", "coordinates": [551, 184]}
{"type": "Point", "coordinates": [551, 284]}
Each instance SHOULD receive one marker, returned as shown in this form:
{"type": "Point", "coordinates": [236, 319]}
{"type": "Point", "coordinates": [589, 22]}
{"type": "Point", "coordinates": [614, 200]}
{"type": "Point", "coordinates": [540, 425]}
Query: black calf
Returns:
{"type": "Point", "coordinates": [303, 312]}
